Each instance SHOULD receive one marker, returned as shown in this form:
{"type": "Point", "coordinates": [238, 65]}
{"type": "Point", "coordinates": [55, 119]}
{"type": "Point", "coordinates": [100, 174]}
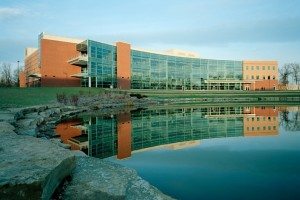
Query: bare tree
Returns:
{"type": "Point", "coordinates": [16, 80]}
{"type": "Point", "coordinates": [284, 73]}
{"type": "Point", "coordinates": [295, 73]}
{"type": "Point", "coordinates": [6, 75]}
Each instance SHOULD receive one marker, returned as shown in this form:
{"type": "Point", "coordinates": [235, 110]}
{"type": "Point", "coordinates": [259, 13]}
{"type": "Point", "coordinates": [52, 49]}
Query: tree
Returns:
{"type": "Point", "coordinates": [284, 73]}
{"type": "Point", "coordinates": [16, 79]}
{"type": "Point", "coordinates": [295, 73]}
{"type": "Point", "coordinates": [6, 75]}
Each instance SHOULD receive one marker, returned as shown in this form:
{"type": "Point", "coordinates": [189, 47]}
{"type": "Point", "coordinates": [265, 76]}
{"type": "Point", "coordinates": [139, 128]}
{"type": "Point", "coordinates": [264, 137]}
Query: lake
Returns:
{"type": "Point", "coordinates": [199, 152]}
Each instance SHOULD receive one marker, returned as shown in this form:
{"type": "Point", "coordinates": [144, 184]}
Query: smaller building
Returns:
{"type": "Point", "coordinates": [260, 75]}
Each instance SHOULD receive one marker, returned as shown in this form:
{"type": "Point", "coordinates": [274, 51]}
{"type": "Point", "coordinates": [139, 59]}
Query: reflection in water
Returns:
{"type": "Point", "coordinates": [290, 118]}
{"type": "Point", "coordinates": [175, 128]}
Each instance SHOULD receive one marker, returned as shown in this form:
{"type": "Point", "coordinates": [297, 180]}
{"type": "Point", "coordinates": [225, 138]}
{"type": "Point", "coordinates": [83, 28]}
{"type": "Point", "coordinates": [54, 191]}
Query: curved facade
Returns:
{"type": "Point", "coordinates": [94, 64]}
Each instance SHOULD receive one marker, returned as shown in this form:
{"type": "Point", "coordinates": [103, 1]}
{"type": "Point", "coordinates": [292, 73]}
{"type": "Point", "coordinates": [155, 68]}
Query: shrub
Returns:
{"type": "Point", "coordinates": [139, 96]}
{"type": "Point", "coordinates": [62, 98]}
{"type": "Point", "coordinates": [74, 100]}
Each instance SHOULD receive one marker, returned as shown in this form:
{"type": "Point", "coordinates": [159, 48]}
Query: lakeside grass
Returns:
{"type": "Point", "coordinates": [160, 94]}
{"type": "Point", "coordinates": [21, 97]}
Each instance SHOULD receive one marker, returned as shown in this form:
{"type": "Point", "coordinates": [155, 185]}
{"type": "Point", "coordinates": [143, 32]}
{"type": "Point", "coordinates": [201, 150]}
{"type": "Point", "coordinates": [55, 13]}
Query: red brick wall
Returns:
{"type": "Point", "coordinates": [123, 65]}
{"type": "Point", "coordinates": [22, 79]}
{"type": "Point", "coordinates": [55, 69]}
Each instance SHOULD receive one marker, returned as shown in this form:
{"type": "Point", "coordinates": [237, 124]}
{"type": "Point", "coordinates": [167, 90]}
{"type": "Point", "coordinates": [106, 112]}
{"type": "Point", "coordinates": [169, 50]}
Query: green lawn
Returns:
{"type": "Point", "coordinates": [20, 97]}
{"type": "Point", "coordinates": [215, 94]}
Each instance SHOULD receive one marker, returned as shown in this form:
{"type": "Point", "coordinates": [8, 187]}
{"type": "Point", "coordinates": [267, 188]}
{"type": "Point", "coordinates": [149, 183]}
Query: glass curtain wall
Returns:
{"type": "Point", "coordinates": [102, 64]}
{"type": "Point", "coordinates": [156, 71]}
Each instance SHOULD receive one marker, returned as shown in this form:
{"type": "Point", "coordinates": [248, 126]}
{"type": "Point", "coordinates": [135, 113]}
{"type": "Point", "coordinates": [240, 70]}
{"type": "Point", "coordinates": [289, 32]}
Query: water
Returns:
{"type": "Point", "coordinates": [200, 152]}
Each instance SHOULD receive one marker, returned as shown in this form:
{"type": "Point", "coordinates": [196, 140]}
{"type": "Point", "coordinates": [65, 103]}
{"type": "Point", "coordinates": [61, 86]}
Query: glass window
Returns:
{"type": "Point", "coordinates": [252, 67]}
{"type": "Point", "coordinates": [257, 67]}
{"type": "Point", "coordinates": [247, 67]}
{"type": "Point", "coordinates": [273, 67]}
{"type": "Point", "coordinates": [268, 67]}
{"type": "Point", "coordinates": [264, 67]}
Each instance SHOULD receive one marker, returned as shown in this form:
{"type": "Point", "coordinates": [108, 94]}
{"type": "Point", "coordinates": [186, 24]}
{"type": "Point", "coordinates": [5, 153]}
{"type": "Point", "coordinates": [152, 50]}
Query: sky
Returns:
{"type": "Point", "coordinates": [217, 29]}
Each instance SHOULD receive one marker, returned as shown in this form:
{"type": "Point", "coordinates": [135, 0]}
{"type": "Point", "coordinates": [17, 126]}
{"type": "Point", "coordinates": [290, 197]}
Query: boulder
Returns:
{"type": "Point", "coordinates": [31, 168]}
{"type": "Point", "coordinates": [6, 127]}
{"type": "Point", "coordinates": [6, 116]}
{"type": "Point", "coordinates": [97, 179]}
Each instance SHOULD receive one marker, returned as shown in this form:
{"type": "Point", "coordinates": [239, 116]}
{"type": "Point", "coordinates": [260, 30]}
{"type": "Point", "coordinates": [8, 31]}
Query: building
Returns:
{"type": "Point", "coordinates": [48, 64]}
{"type": "Point", "coordinates": [69, 62]}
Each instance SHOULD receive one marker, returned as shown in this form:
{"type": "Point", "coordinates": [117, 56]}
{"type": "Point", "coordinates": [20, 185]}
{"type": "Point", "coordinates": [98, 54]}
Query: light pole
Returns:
{"type": "Point", "coordinates": [18, 82]}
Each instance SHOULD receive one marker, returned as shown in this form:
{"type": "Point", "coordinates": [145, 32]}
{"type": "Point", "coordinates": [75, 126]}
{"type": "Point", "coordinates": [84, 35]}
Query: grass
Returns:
{"type": "Point", "coordinates": [215, 94]}
{"type": "Point", "coordinates": [21, 97]}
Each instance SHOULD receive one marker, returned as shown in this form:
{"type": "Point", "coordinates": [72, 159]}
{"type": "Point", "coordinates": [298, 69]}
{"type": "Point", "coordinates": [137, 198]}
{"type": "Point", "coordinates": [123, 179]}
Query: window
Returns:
{"type": "Point", "coordinates": [247, 77]}
{"type": "Point", "coordinates": [257, 77]}
{"type": "Point", "coordinates": [268, 67]}
{"type": "Point", "coordinates": [264, 67]}
{"type": "Point", "coordinates": [252, 77]}
{"type": "Point", "coordinates": [247, 67]}
{"type": "Point", "coordinates": [264, 77]}
{"type": "Point", "coordinates": [252, 68]}
{"type": "Point", "coordinates": [273, 67]}
{"type": "Point", "coordinates": [257, 128]}
{"type": "Point", "coordinates": [257, 67]}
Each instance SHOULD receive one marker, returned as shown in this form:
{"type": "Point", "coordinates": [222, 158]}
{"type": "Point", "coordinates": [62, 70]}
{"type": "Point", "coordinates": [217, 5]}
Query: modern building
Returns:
{"type": "Point", "coordinates": [70, 62]}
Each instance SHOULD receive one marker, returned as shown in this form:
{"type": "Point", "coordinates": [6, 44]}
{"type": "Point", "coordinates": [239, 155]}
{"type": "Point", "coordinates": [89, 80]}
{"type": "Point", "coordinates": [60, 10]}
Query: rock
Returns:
{"type": "Point", "coordinates": [78, 153]}
{"type": "Point", "coordinates": [6, 116]}
{"type": "Point", "coordinates": [97, 179]}
{"type": "Point", "coordinates": [6, 127]}
{"type": "Point", "coordinates": [59, 143]}
{"type": "Point", "coordinates": [29, 131]}
{"type": "Point", "coordinates": [31, 168]}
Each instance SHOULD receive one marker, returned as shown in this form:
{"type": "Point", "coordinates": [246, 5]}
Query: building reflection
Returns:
{"type": "Point", "coordinates": [141, 130]}
{"type": "Point", "coordinates": [261, 121]}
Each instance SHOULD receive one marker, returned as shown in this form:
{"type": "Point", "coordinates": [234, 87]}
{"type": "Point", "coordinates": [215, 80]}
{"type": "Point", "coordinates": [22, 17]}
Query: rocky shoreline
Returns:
{"type": "Point", "coordinates": [33, 165]}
